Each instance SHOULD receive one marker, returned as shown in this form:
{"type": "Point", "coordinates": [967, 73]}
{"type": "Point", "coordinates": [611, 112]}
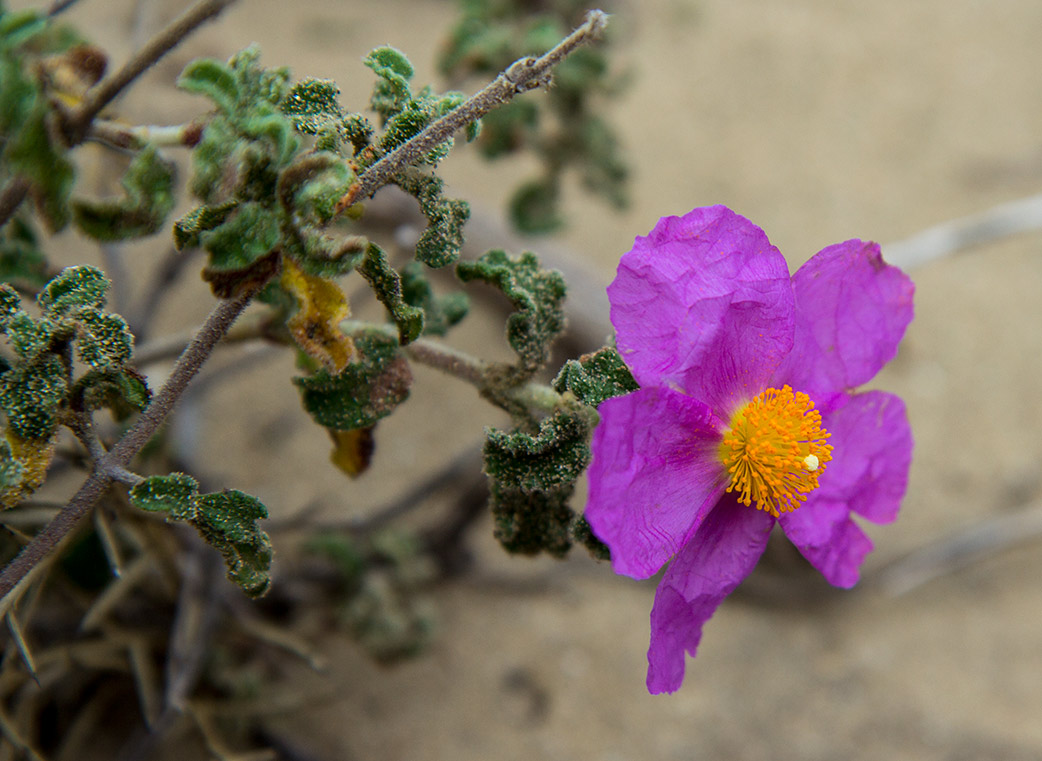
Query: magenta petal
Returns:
{"type": "Point", "coordinates": [851, 312]}
{"type": "Point", "coordinates": [704, 304]}
{"type": "Point", "coordinates": [827, 536]}
{"type": "Point", "coordinates": [654, 473]}
{"type": "Point", "coordinates": [872, 450]}
{"type": "Point", "coordinates": [721, 553]}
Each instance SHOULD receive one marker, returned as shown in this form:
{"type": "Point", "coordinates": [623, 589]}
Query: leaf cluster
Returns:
{"type": "Point", "coordinates": [37, 383]}
{"type": "Point", "coordinates": [227, 520]}
{"type": "Point", "coordinates": [533, 475]}
{"type": "Point", "coordinates": [563, 130]}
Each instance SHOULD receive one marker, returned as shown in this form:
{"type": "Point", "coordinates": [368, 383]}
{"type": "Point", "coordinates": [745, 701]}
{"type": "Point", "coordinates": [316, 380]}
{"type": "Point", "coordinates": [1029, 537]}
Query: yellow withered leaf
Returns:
{"type": "Point", "coordinates": [352, 450]}
{"type": "Point", "coordinates": [34, 455]}
{"type": "Point", "coordinates": [321, 306]}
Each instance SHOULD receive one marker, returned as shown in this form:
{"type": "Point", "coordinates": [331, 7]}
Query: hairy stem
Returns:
{"type": "Point", "coordinates": [521, 76]}
{"type": "Point", "coordinates": [111, 466]}
{"type": "Point", "coordinates": [106, 91]}
{"type": "Point", "coordinates": [459, 364]}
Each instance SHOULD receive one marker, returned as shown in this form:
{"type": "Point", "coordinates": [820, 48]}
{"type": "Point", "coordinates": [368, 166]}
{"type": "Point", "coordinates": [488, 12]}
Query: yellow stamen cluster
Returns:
{"type": "Point", "coordinates": [775, 450]}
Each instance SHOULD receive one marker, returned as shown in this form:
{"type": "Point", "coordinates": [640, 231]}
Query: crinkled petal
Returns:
{"type": "Point", "coordinates": [654, 473]}
{"type": "Point", "coordinates": [872, 451]}
{"type": "Point", "coordinates": [827, 536]}
{"type": "Point", "coordinates": [704, 304]}
{"type": "Point", "coordinates": [851, 312]}
{"type": "Point", "coordinates": [721, 553]}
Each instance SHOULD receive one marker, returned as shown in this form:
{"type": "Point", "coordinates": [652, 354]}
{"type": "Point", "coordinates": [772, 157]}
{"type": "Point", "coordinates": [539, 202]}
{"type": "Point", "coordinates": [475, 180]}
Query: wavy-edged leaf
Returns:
{"type": "Point", "coordinates": [596, 377]}
{"type": "Point", "coordinates": [72, 290]}
{"type": "Point", "coordinates": [439, 312]}
{"type": "Point", "coordinates": [215, 80]}
{"type": "Point", "coordinates": [532, 478]}
{"type": "Point", "coordinates": [537, 295]}
{"type": "Point", "coordinates": [388, 289]}
{"type": "Point", "coordinates": [148, 200]}
{"type": "Point", "coordinates": [364, 392]}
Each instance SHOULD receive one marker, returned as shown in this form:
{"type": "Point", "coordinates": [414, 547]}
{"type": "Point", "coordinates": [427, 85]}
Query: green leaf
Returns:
{"type": "Point", "coordinates": [227, 520]}
{"type": "Point", "coordinates": [440, 243]}
{"type": "Point", "coordinates": [313, 105]}
{"type": "Point", "coordinates": [200, 219]}
{"type": "Point", "coordinates": [364, 392]}
{"type": "Point", "coordinates": [249, 234]}
{"type": "Point", "coordinates": [31, 153]}
{"type": "Point", "coordinates": [174, 495]}
{"type": "Point", "coordinates": [391, 91]}
{"type": "Point", "coordinates": [215, 80]}
{"type": "Point", "coordinates": [439, 312]}
{"type": "Point", "coordinates": [10, 305]}
{"type": "Point", "coordinates": [103, 340]}
{"type": "Point", "coordinates": [532, 479]}
{"type": "Point", "coordinates": [596, 377]}
{"type": "Point", "coordinates": [30, 395]}
{"type": "Point", "coordinates": [388, 289]}
{"type": "Point", "coordinates": [74, 289]}
{"type": "Point", "coordinates": [21, 259]}
{"type": "Point", "coordinates": [537, 294]}
{"type": "Point", "coordinates": [533, 207]}
{"type": "Point", "coordinates": [124, 391]}
{"type": "Point", "coordinates": [148, 200]}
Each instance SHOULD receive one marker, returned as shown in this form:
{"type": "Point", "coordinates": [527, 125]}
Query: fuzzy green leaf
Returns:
{"type": "Point", "coordinates": [21, 258]}
{"type": "Point", "coordinates": [364, 392]}
{"type": "Point", "coordinates": [215, 80]}
{"type": "Point", "coordinates": [30, 395]}
{"type": "Point", "coordinates": [103, 340]}
{"type": "Point", "coordinates": [227, 520]}
{"type": "Point", "coordinates": [31, 153]}
{"type": "Point", "coordinates": [74, 289]}
{"type": "Point", "coordinates": [596, 377]}
{"type": "Point", "coordinates": [174, 495]}
{"type": "Point", "coordinates": [148, 200]}
{"type": "Point", "coordinates": [439, 312]}
{"type": "Point", "coordinates": [10, 304]}
{"type": "Point", "coordinates": [200, 219]}
{"type": "Point", "coordinates": [313, 105]}
{"type": "Point", "coordinates": [388, 289]}
{"type": "Point", "coordinates": [537, 294]}
{"type": "Point", "coordinates": [248, 235]}
{"type": "Point", "coordinates": [532, 479]}
{"type": "Point", "coordinates": [391, 91]}
{"type": "Point", "coordinates": [533, 207]}
{"type": "Point", "coordinates": [124, 391]}
{"type": "Point", "coordinates": [440, 243]}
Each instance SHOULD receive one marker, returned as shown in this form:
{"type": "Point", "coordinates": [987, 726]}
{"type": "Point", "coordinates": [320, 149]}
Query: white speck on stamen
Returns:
{"type": "Point", "coordinates": [811, 461]}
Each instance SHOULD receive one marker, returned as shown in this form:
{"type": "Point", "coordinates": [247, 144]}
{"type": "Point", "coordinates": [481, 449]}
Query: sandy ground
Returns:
{"type": "Point", "coordinates": [820, 121]}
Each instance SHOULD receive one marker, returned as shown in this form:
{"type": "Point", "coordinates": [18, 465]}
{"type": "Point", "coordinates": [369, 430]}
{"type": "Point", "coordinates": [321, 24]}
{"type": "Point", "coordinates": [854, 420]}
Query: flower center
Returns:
{"type": "Point", "coordinates": [775, 450]}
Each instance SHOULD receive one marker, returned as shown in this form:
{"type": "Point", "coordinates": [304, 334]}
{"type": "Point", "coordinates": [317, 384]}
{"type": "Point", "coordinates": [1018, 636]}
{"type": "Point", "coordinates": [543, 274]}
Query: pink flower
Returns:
{"type": "Point", "coordinates": [745, 416]}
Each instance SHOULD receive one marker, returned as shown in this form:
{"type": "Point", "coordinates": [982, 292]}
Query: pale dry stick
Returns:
{"type": "Point", "coordinates": [112, 465]}
{"type": "Point", "coordinates": [1000, 221]}
{"type": "Point", "coordinates": [951, 553]}
{"type": "Point", "coordinates": [122, 136]}
{"type": "Point", "coordinates": [521, 76]}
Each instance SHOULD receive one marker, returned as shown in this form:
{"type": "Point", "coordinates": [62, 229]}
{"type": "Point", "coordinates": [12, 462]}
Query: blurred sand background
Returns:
{"type": "Point", "coordinates": [820, 121]}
